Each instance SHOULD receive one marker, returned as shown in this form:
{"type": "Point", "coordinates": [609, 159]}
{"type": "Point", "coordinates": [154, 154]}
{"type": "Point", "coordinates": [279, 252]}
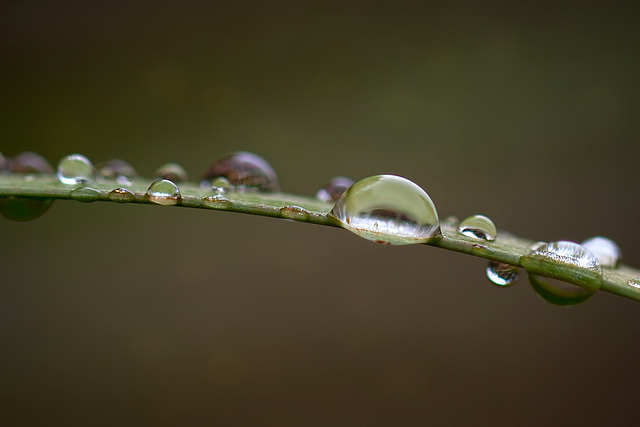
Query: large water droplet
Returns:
{"type": "Point", "coordinates": [163, 192]}
{"type": "Point", "coordinates": [548, 263]}
{"type": "Point", "coordinates": [85, 194]}
{"type": "Point", "coordinates": [172, 172]}
{"type": "Point", "coordinates": [387, 209]}
{"type": "Point", "coordinates": [245, 171]}
{"type": "Point", "coordinates": [31, 163]}
{"type": "Point", "coordinates": [116, 169]}
{"type": "Point", "coordinates": [294, 212]}
{"type": "Point", "coordinates": [606, 250]}
{"type": "Point", "coordinates": [24, 208]}
{"type": "Point", "coordinates": [75, 169]}
{"type": "Point", "coordinates": [122, 195]}
{"type": "Point", "coordinates": [217, 201]}
{"type": "Point", "coordinates": [478, 227]}
{"type": "Point", "coordinates": [502, 274]}
{"type": "Point", "coordinates": [558, 292]}
{"type": "Point", "coordinates": [332, 191]}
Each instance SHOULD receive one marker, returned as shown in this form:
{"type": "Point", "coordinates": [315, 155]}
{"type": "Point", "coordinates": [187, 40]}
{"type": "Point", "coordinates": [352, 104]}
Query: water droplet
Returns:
{"type": "Point", "coordinates": [606, 250]}
{"type": "Point", "coordinates": [24, 208]}
{"type": "Point", "coordinates": [478, 227]}
{"type": "Point", "coordinates": [502, 274]}
{"type": "Point", "coordinates": [85, 194]}
{"type": "Point", "coordinates": [163, 192]}
{"type": "Point", "coordinates": [635, 283]}
{"type": "Point", "coordinates": [558, 292]}
{"type": "Point", "coordinates": [172, 172]}
{"type": "Point", "coordinates": [122, 195]}
{"type": "Point", "coordinates": [75, 169]}
{"type": "Point", "coordinates": [245, 171]}
{"type": "Point", "coordinates": [220, 185]}
{"type": "Point", "coordinates": [547, 264]}
{"type": "Point", "coordinates": [116, 169]}
{"type": "Point", "coordinates": [332, 191]}
{"type": "Point", "coordinates": [451, 220]}
{"type": "Point", "coordinates": [387, 209]}
{"type": "Point", "coordinates": [217, 201]}
{"type": "Point", "coordinates": [537, 245]}
{"type": "Point", "coordinates": [28, 162]}
{"type": "Point", "coordinates": [294, 212]}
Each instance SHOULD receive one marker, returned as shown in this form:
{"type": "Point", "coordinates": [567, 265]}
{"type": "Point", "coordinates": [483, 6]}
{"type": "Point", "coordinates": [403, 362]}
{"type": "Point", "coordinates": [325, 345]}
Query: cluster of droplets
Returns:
{"type": "Point", "coordinates": [385, 209]}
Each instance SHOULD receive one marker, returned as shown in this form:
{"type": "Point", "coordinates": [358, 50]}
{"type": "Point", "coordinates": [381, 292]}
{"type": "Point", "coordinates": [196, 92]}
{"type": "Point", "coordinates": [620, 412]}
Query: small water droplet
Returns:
{"type": "Point", "coordinates": [116, 169]}
{"type": "Point", "coordinates": [294, 212]}
{"type": "Point", "coordinates": [537, 245]}
{"type": "Point", "coordinates": [245, 171]}
{"type": "Point", "coordinates": [635, 283]}
{"type": "Point", "coordinates": [75, 169]}
{"type": "Point", "coordinates": [85, 194]}
{"type": "Point", "coordinates": [24, 208]}
{"type": "Point", "coordinates": [163, 192]}
{"type": "Point", "coordinates": [557, 292]}
{"type": "Point", "coordinates": [387, 209]}
{"type": "Point", "coordinates": [478, 227]}
{"type": "Point", "coordinates": [606, 250]}
{"type": "Point", "coordinates": [220, 185]}
{"type": "Point", "coordinates": [172, 172]}
{"type": "Point", "coordinates": [122, 195]}
{"type": "Point", "coordinates": [29, 162]}
{"type": "Point", "coordinates": [332, 191]}
{"type": "Point", "coordinates": [217, 201]}
{"type": "Point", "coordinates": [502, 274]}
{"type": "Point", "coordinates": [546, 264]}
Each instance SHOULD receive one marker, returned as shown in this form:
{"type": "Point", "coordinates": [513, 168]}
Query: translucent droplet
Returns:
{"type": "Point", "coordinates": [220, 185]}
{"type": "Point", "coordinates": [217, 201]}
{"type": "Point", "coordinates": [122, 195]}
{"type": "Point", "coordinates": [547, 264]}
{"type": "Point", "coordinates": [634, 283]}
{"type": "Point", "coordinates": [245, 171]}
{"type": "Point", "coordinates": [332, 191]}
{"type": "Point", "coordinates": [24, 208]}
{"type": "Point", "coordinates": [558, 292]}
{"type": "Point", "coordinates": [172, 172]}
{"type": "Point", "coordinates": [478, 227]}
{"type": "Point", "coordinates": [28, 162]}
{"type": "Point", "coordinates": [502, 274]}
{"type": "Point", "coordinates": [116, 169]}
{"type": "Point", "coordinates": [163, 192]}
{"type": "Point", "coordinates": [75, 169]}
{"type": "Point", "coordinates": [606, 250]}
{"type": "Point", "coordinates": [85, 194]}
{"type": "Point", "coordinates": [387, 209]}
{"type": "Point", "coordinates": [294, 212]}
{"type": "Point", "coordinates": [537, 245]}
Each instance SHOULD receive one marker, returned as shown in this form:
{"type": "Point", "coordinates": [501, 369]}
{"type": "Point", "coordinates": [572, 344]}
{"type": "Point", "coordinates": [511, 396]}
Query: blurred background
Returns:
{"type": "Point", "coordinates": [118, 314]}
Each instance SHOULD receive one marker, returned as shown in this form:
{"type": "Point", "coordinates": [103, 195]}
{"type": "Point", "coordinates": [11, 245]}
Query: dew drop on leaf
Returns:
{"type": "Point", "coordinates": [24, 208]}
{"type": "Point", "coordinates": [294, 212]}
{"type": "Point", "coordinates": [548, 260]}
{"type": "Point", "coordinates": [85, 194]}
{"type": "Point", "coordinates": [163, 192]}
{"type": "Point", "coordinates": [606, 250]}
{"type": "Point", "coordinates": [478, 227]}
{"type": "Point", "coordinates": [29, 163]}
{"type": "Point", "coordinates": [217, 201]}
{"type": "Point", "coordinates": [634, 283]}
{"type": "Point", "coordinates": [75, 169]}
{"type": "Point", "coordinates": [172, 172]}
{"type": "Point", "coordinates": [245, 171]}
{"type": "Point", "coordinates": [117, 170]}
{"type": "Point", "coordinates": [332, 191]}
{"type": "Point", "coordinates": [387, 209]}
{"type": "Point", "coordinates": [219, 185]}
{"type": "Point", "coordinates": [502, 274]}
{"type": "Point", "coordinates": [121, 195]}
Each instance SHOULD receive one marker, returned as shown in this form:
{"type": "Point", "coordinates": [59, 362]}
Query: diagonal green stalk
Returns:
{"type": "Point", "coordinates": [507, 248]}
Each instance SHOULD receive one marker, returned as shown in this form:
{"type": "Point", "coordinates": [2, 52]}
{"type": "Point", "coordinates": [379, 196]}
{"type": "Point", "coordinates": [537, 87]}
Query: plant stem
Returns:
{"type": "Point", "coordinates": [507, 248]}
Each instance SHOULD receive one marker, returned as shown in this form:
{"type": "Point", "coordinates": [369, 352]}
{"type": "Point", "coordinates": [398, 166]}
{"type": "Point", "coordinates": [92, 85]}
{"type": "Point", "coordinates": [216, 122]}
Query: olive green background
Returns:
{"type": "Point", "coordinates": [130, 315]}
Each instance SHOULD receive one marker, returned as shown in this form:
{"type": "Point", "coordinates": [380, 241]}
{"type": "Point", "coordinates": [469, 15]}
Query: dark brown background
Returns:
{"type": "Point", "coordinates": [116, 314]}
